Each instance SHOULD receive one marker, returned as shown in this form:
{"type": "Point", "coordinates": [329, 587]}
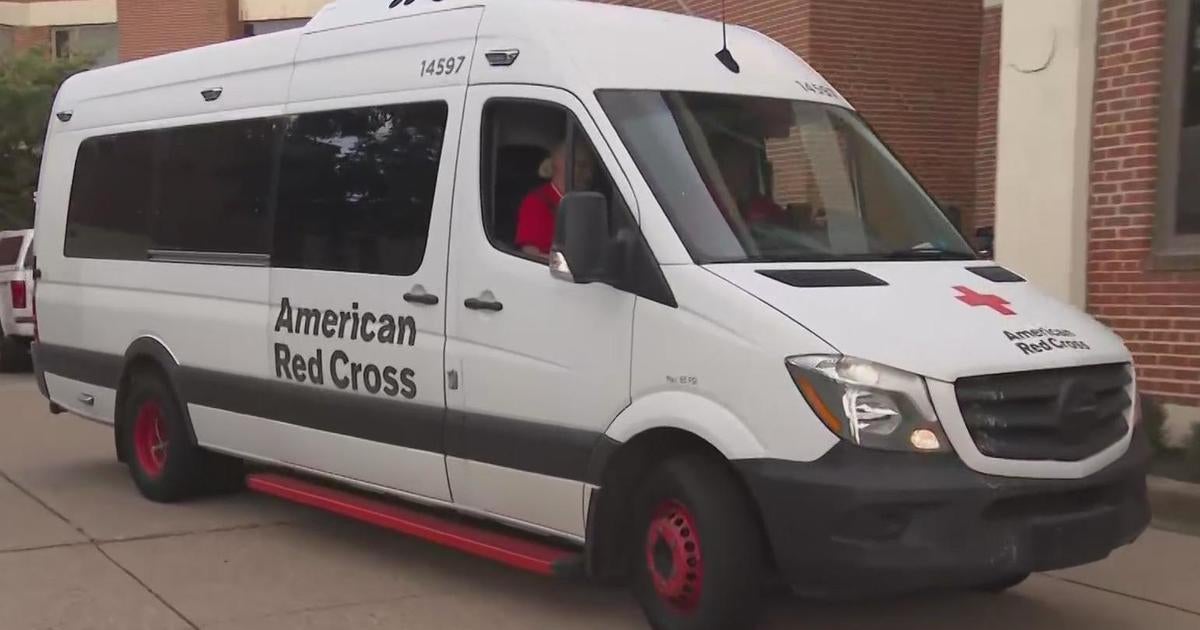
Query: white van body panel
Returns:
{"type": "Point", "coordinates": [572, 44]}
{"type": "Point", "coordinates": [499, 491]}
{"type": "Point", "coordinates": [689, 412]}
{"type": "Point", "coordinates": [384, 57]}
{"type": "Point", "coordinates": [557, 355]}
{"type": "Point", "coordinates": [363, 461]}
{"type": "Point", "coordinates": [704, 353]}
{"type": "Point", "coordinates": [83, 399]}
{"type": "Point", "coordinates": [252, 72]}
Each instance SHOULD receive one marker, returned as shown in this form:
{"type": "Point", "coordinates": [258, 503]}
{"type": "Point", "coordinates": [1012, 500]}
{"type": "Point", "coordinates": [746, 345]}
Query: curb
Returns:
{"type": "Point", "coordinates": [1174, 504]}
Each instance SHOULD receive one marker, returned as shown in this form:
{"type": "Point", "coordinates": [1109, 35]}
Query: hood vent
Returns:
{"type": "Point", "coordinates": [996, 274]}
{"type": "Point", "coordinates": [809, 278]}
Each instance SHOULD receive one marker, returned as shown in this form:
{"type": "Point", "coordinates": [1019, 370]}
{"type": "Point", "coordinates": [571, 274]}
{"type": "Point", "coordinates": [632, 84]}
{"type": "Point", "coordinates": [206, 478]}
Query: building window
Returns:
{"type": "Point", "coordinates": [1178, 223]}
{"type": "Point", "coordinates": [98, 43]}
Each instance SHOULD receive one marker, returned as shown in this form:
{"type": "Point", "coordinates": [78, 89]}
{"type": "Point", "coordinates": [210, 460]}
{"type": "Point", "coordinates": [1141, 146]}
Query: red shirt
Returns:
{"type": "Point", "coordinates": [535, 219]}
{"type": "Point", "coordinates": [764, 210]}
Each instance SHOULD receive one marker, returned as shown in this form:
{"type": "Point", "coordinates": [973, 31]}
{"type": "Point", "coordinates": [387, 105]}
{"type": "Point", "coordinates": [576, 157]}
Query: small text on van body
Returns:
{"type": "Point", "coordinates": [1038, 340]}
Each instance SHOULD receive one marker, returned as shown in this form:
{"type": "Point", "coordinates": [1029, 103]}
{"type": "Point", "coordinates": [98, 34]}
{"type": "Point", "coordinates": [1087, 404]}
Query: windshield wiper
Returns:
{"type": "Point", "coordinates": [929, 253]}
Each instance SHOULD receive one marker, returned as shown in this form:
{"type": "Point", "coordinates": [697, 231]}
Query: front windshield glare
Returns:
{"type": "Point", "coordinates": [749, 179]}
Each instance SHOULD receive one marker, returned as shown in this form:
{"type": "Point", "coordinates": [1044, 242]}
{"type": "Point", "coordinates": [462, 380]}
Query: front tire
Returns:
{"type": "Point", "coordinates": [155, 442]}
{"type": "Point", "coordinates": [1002, 585]}
{"type": "Point", "coordinates": [698, 553]}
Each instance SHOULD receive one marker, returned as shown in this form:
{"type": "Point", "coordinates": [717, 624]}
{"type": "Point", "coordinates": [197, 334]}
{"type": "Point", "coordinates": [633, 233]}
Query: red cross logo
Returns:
{"type": "Point", "coordinates": [994, 302]}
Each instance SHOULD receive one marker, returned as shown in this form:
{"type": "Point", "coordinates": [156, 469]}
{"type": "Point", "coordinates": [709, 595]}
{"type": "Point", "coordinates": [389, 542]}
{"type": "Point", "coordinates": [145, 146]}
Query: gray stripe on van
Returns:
{"type": "Point", "coordinates": [545, 449]}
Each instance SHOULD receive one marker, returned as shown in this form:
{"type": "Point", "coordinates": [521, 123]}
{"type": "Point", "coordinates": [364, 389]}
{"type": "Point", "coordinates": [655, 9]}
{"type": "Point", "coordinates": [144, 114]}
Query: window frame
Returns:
{"type": "Point", "coordinates": [487, 162]}
{"type": "Point", "coordinates": [1170, 249]}
{"type": "Point", "coordinates": [72, 36]}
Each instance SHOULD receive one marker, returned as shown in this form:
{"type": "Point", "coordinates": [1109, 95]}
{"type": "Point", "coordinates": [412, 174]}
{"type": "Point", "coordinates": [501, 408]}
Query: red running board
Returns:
{"type": "Point", "coordinates": [511, 549]}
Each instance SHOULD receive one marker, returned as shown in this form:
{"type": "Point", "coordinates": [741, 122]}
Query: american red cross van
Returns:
{"type": "Point", "coordinates": [584, 289]}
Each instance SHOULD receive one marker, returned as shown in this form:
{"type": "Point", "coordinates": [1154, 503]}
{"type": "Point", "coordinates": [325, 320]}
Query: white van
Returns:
{"type": "Point", "coordinates": [16, 307]}
{"type": "Point", "coordinates": [672, 318]}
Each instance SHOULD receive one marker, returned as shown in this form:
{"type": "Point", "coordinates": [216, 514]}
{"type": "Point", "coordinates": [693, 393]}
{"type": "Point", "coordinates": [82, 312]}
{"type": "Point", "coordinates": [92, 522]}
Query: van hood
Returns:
{"type": "Point", "coordinates": [939, 319]}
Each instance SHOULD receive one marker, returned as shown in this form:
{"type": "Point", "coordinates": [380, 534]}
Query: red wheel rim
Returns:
{"type": "Point", "coordinates": [150, 439]}
{"type": "Point", "coordinates": [673, 556]}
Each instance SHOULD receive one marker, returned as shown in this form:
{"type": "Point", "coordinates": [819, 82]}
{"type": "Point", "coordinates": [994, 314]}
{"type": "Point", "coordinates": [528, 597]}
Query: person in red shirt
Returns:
{"type": "Point", "coordinates": [535, 218]}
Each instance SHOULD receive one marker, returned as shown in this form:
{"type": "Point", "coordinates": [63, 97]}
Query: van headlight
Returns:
{"type": "Point", "coordinates": [871, 405]}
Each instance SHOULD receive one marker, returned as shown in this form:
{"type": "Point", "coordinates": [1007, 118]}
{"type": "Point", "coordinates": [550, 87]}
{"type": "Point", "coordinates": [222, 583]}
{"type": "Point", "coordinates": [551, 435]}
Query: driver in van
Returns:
{"type": "Point", "coordinates": [535, 218]}
{"type": "Point", "coordinates": [737, 162]}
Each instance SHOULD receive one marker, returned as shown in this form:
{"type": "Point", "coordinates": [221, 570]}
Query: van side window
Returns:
{"type": "Point", "coordinates": [111, 197]}
{"type": "Point", "coordinates": [520, 138]}
{"type": "Point", "coordinates": [215, 187]}
{"type": "Point", "coordinates": [356, 188]}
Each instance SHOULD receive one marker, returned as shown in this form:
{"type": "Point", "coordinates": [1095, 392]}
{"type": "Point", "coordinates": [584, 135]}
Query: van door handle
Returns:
{"type": "Point", "coordinates": [476, 304]}
{"type": "Point", "coordinates": [427, 299]}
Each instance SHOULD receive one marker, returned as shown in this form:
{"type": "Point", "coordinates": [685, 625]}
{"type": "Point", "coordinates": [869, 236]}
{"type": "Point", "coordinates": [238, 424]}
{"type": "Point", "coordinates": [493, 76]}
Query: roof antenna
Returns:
{"type": "Point", "coordinates": [723, 55]}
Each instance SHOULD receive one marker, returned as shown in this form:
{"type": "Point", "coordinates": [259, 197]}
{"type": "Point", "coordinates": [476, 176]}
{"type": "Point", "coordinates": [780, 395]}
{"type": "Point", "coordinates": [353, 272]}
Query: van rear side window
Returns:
{"type": "Point", "coordinates": [215, 188]}
{"type": "Point", "coordinates": [112, 197]}
{"type": "Point", "coordinates": [356, 188]}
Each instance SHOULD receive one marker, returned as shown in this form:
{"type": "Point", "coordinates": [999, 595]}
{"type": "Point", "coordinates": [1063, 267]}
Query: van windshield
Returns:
{"type": "Point", "coordinates": [751, 179]}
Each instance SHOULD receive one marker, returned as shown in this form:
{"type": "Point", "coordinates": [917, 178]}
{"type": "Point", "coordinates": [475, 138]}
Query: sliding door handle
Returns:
{"type": "Point", "coordinates": [427, 299]}
{"type": "Point", "coordinates": [476, 304]}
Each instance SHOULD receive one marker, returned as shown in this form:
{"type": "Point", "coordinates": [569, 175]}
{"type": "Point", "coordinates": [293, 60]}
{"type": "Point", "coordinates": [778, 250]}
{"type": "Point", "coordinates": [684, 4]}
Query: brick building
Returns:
{"type": "Point", "coordinates": [1070, 126]}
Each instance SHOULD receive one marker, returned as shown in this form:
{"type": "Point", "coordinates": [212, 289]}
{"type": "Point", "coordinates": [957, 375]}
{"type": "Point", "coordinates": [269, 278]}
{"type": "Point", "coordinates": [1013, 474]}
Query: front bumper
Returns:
{"type": "Point", "coordinates": [859, 522]}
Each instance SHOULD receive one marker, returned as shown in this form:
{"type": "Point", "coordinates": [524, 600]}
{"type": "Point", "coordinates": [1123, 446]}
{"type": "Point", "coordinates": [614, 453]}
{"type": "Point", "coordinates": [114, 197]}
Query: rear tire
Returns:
{"type": "Point", "coordinates": [697, 551]}
{"type": "Point", "coordinates": [155, 442]}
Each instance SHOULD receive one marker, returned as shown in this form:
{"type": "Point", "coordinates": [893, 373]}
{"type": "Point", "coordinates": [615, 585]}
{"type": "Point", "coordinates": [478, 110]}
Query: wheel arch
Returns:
{"type": "Point", "coordinates": [663, 425]}
{"type": "Point", "coordinates": [691, 413]}
{"type": "Point", "coordinates": [147, 353]}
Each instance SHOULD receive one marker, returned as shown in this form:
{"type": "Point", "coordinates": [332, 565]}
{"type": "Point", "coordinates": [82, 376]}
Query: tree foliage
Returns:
{"type": "Point", "coordinates": [29, 80]}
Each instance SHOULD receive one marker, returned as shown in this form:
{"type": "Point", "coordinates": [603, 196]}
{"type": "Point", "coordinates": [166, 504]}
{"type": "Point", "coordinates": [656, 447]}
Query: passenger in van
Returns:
{"type": "Point", "coordinates": [535, 218]}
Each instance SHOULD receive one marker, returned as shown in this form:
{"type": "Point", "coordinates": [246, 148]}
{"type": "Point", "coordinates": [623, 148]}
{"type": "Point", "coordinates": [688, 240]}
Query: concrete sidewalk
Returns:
{"type": "Point", "coordinates": [1175, 504]}
{"type": "Point", "coordinates": [80, 549]}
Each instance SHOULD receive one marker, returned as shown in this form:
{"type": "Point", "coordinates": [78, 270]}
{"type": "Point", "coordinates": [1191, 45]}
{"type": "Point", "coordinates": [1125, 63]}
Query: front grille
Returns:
{"type": "Point", "coordinates": [1064, 414]}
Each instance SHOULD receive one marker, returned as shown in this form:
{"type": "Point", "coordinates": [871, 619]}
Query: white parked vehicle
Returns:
{"type": "Point", "coordinates": [16, 291]}
{"type": "Point", "coordinates": [676, 319]}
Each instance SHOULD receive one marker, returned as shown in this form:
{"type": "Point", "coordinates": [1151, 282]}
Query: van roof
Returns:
{"type": "Point", "coordinates": [578, 45]}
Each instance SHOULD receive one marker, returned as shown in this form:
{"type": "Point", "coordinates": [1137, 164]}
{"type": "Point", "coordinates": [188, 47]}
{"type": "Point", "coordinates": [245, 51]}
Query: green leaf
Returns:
{"type": "Point", "coordinates": [29, 81]}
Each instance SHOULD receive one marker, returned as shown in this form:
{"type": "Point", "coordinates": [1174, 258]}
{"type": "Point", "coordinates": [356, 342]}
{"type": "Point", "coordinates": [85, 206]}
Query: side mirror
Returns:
{"type": "Point", "coordinates": [580, 249]}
